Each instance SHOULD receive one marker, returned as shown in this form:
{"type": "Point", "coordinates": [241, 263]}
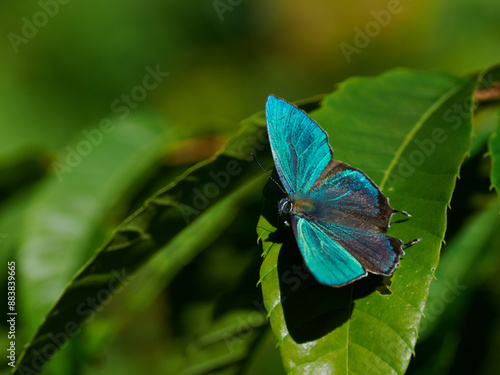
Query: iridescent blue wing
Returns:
{"type": "Point", "coordinates": [355, 214]}
{"type": "Point", "coordinates": [330, 263]}
{"type": "Point", "coordinates": [377, 252]}
{"type": "Point", "coordinates": [300, 147]}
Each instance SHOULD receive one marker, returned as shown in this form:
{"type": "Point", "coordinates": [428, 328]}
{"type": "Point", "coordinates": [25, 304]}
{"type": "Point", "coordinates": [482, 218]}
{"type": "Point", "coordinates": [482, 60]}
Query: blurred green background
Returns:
{"type": "Point", "coordinates": [66, 76]}
{"type": "Point", "coordinates": [223, 58]}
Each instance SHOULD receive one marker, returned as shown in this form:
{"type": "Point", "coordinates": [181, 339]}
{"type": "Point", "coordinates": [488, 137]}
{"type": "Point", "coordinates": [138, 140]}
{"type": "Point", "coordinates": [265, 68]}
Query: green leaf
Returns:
{"type": "Point", "coordinates": [228, 343]}
{"type": "Point", "coordinates": [164, 265]}
{"type": "Point", "coordinates": [229, 336]}
{"type": "Point", "coordinates": [265, 359]}
{"type": "Point", "coordinates": [410, 132]}
{"type": "Point", "coordinates": [64, 215]}
{"type": "Point", "coordinates": [151, 279]}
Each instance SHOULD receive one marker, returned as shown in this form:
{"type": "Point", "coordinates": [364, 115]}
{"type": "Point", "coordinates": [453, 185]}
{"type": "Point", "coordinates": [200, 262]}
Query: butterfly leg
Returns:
{"type": "Point", "coordinates": [402, 212]}
{"type": "Point", "coordinates": [411, 243]}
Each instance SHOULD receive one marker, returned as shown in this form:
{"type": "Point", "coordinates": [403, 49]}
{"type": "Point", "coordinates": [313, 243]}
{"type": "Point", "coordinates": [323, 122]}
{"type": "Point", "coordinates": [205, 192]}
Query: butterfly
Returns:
{"type": "Point", "coordinates": [338, 214]}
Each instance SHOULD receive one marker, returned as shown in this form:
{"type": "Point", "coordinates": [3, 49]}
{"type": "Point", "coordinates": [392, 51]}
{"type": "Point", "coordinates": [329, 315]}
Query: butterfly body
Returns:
{"type": "Point", "coordinates": [338, 214]}
{"type": "Point", "coordinates": [301, 205]}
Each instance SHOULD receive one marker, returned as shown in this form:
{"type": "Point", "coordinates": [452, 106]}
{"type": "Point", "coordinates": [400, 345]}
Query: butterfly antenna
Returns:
{"type": "Point", "coordinates": [268, 175]}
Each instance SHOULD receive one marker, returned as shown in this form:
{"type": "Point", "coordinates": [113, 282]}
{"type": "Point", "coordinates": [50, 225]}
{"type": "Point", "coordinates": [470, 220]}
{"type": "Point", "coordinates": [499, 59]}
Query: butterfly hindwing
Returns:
{"type": "Point", "coordinates": [300, 147]}
{"type": "Point", "coordinates": [352, 210]}
{"type": "Point", "coordinates": [327, 259]}
{"type": "Point", "coordinates": [377, 252]}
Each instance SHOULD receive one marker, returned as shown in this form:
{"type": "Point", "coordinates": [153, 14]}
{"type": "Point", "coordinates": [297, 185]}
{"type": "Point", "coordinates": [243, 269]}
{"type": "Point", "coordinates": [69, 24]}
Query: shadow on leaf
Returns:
{"type": "Point", "coordinates": [311, 310]}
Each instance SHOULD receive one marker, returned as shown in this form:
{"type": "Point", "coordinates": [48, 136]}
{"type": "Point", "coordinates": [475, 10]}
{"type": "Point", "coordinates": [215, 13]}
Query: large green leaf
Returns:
{"type": "Point", "coordinates": [69, 207]}
{"type": "Point", "coordinates": [65, 216]}
{"type": "Point", "coordinates": [404, 130]}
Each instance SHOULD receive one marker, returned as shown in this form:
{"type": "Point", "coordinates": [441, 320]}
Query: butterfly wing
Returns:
{"type": "Point", "coordinates": [349, 195]}
{"type": "Point", "coordinates": [377, 252]}
{"type": "Point", "coordinates": [300, 147]}
{"type": "Point", "coordinates": [355, 214]}
{"type": "Point", "coordinates": [330, 263]}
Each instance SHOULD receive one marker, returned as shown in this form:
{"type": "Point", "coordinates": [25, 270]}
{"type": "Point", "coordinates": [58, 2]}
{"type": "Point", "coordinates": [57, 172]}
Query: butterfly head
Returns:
{"type": "Point", "coordinates": [285, 208]}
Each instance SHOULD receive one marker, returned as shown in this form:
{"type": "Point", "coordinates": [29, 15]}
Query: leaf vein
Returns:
{"type": "Point", "coordinates": [414, 131]}
{"type": "Point", "coordinates": [387, 325]}
{"type": "Point", "coordinates": [370, 351]}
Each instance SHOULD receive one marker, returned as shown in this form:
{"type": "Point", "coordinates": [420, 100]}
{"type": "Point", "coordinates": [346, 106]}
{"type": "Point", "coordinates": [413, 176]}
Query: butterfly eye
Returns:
{"type": "Point", "coordinates": [285, 206]}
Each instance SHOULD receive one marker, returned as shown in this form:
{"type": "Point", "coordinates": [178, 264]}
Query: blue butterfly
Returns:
{"type": "Point", "coordinates": [339, 216]}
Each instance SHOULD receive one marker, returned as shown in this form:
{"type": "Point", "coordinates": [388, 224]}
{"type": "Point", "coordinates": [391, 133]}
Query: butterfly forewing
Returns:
{"type": "Point", "coordinates": [300, 147]}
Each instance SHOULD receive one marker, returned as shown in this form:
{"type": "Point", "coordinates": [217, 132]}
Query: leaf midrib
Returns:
{"type": "Point", "coordinates": [408, 138]}
{"type": "Point", "coordinates": [418, 125]}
